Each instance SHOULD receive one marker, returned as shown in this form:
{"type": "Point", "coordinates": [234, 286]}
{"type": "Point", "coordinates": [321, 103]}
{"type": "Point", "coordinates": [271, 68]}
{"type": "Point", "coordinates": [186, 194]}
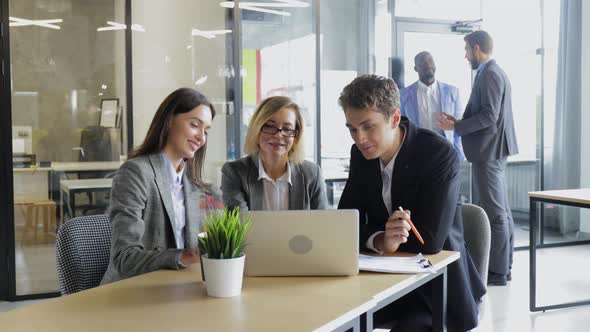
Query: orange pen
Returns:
{"type": "Point", "coordinates": [414, 230]}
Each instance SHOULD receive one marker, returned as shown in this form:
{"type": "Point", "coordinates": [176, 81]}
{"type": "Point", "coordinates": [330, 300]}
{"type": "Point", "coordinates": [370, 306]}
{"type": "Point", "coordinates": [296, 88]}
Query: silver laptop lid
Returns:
{"type": "Point", "coordinates": [302, 243]}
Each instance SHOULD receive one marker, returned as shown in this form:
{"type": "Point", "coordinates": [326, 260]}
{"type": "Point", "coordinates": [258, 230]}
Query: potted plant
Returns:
{"type": "Point", "coordinates": [223, 263]}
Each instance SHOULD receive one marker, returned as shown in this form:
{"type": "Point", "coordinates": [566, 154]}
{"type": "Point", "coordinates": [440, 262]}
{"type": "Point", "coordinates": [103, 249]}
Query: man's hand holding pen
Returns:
{"type": "Point", "coordinates": [397, 230]}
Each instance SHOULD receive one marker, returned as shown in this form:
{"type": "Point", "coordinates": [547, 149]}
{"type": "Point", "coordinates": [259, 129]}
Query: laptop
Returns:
{"type": "Point", "coordinates": [302, 243]}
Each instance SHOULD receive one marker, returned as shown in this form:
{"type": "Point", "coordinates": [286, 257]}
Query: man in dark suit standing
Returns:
{"type": "Point", "coordinates": [488, 136]}
{"type": "Point", "coordinates": [393, 163]}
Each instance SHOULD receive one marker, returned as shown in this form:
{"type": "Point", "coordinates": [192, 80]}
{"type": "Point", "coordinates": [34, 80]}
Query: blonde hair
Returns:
{"type": "Point", "coordinates": [263, 113]}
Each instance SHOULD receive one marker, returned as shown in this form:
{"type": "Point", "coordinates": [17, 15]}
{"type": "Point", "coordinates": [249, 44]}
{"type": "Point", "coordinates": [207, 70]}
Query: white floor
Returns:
{"type": "Point", "coordinates": [35, 269]}
{"type": "Point", "coordinates": [563, 276]}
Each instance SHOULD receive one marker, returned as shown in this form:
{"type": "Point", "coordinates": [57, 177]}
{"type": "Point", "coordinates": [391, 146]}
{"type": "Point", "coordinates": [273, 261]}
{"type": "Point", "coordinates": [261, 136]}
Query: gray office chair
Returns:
{"type": "Point", "coordinates": [83, 247]}
{"type": "Point", "coordinates": [478, 236]}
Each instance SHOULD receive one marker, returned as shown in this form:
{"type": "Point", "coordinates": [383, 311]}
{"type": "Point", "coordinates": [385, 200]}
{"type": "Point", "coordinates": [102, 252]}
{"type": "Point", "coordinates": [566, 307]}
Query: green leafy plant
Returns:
{"type": "Point", "coordinates": [226, 234]}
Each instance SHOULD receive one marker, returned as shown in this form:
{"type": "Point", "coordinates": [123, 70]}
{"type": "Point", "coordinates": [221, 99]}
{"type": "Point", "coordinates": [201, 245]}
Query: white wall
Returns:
{"type": "Point", "coordinates": [585, 139]}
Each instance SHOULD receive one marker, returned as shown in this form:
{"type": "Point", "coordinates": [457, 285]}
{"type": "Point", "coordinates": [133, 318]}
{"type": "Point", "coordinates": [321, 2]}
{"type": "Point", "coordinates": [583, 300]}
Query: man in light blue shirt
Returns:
{"type": "Point", "coordinates": [425, 100]}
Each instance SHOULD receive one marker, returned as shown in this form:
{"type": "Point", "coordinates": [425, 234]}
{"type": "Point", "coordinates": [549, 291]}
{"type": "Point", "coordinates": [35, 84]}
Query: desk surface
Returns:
{"type": "Point", "coordinates": [58, 166]}
{"type": "Point", "coordinates": [61, 166]}
{"type": "Point", "coordinates": [177, 301]}
{"type": "Point", "coordinates": [67, 185]}
{"type": "Point", "coordinates": [581, 196]}
{"type": "Point", "coordinates": [31, 170]}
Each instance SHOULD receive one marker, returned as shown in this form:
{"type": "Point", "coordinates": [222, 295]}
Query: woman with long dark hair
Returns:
{"type": "Point", "coordinates": [154, 206]}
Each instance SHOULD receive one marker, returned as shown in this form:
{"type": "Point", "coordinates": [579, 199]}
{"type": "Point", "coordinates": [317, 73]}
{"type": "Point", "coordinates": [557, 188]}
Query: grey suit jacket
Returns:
{"type": "Point", "coordinates": [141, 211]}
{"type": "Point", "coordinates": [240, 185]}
{"type": "Point", "coordinates": [487, 128]}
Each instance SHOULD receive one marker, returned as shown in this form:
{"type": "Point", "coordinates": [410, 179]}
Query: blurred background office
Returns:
{"type": "Point", "coordinates": [82, 79]}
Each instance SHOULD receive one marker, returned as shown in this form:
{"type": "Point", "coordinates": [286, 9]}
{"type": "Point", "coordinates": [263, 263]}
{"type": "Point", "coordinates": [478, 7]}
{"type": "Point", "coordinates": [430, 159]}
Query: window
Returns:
{"type": "Point", "coordinates": [436, 9]}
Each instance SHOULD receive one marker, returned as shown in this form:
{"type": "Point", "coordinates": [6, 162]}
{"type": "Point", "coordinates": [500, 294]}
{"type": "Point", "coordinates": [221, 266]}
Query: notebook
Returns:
{"type": "Point", "coordinates": [302, 243]}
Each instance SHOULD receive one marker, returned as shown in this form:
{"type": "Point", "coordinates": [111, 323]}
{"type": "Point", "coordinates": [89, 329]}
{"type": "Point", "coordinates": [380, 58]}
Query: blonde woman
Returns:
{"type": "Point", "coordinates": [274, 175]}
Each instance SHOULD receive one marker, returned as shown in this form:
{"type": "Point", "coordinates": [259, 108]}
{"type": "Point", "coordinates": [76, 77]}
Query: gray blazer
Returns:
{"type": "Point", "coordinates": [141, 211]}
{"type": "Point", "coordinates": [487, 128]}
{"type": "Point", "coordinates": [240, 186]}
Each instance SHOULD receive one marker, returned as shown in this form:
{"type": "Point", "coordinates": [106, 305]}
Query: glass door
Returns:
{"type": "Point", "coordinates": [522, 62]}
{"type": "Point", "coordinates": [447, 47]}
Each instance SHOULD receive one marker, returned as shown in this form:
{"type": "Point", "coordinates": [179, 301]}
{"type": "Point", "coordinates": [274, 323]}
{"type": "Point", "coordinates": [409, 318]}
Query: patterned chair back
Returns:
{"type": "Point", "coordinates": [82, 252]}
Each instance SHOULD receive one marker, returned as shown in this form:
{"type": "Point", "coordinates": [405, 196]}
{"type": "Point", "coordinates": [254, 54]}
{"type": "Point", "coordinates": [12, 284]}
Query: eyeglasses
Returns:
{"type": "Point", "coordinates": [286, 132]}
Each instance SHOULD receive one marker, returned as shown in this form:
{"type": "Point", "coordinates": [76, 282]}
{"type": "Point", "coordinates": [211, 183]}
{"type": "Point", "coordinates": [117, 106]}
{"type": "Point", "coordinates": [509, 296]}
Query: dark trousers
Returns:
{"type": "Point", "coordinates": [492, 194]}
{"type": "Point", "coordinates": [410, 313]}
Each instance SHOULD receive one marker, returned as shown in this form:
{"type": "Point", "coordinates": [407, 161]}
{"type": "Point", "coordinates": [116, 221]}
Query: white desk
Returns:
{"type": "Point", "coordinates": [572, 197]}
{"type": "Point", "coordinates": [59, 169]}
{"type": "Point", "coordinates": [85, 166]}
{"type": "Point", "coordinates": [31, 184]}
{"type": "Point", "coordinates": [69, 189]}
{"type": "Point", "coordinates": [27, 170]}
{"type": "Point", "coordinates": [177, 301]}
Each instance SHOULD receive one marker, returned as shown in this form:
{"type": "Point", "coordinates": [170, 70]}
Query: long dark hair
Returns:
{"type": "Point", "coordinates": [182, 100]}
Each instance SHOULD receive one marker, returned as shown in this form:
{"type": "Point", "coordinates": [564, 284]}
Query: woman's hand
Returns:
{"type": "Point", "coordinates": [190, 256]}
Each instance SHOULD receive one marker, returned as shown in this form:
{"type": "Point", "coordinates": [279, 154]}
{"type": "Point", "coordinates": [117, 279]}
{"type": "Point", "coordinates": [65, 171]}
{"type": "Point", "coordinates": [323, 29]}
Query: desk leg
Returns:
{"type": "Point", "coordinates": [54, 187]}
{"type": "Point", "coordinates": [354, 325]}
{"type": "Point", "coordinates": [533, 255]}
{"type": "Point", "coordinates": [61, 208]}
{"type": "Point", "coordinates": [330, 192]}
{"type": "Point", "coordinates": [367, 321]}
{"type": "Point", "coordinates": [439, 302]}
{"type": "Point", "coordinates": [72, 203]}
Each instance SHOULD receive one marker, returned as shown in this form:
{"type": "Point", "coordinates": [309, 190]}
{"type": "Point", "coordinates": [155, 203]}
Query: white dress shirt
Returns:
{"type": "Point", "coordinates": [386, 176]}
{"type": "Point", "coordinates": [428, 104]}
{"type": "Point", "coordinates": [177, 195]}
{"type": "Point", "coordinates": [276, 193]}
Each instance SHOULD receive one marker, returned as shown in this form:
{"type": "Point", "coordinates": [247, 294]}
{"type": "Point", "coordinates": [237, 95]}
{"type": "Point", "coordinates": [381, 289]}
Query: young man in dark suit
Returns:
{"type": "Point", "coordinates": [393, 163]}
{"type": "Point", "coordinates": [488, 136]}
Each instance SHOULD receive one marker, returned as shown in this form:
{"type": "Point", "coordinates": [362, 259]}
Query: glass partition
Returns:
{"type": "Point", "coordinates": [521, 60]}
{"type": "Point", "coordinates": [68, 98]}
{"type": "Point", "coordinates": [340, 28]}
{"type": "Point", "coordinates": [183, 43]}
{"type": "Point", "coordinates": [279, 58]}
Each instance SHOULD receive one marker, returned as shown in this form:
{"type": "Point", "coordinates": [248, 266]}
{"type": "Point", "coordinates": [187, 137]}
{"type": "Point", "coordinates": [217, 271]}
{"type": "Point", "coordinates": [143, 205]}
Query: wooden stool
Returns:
{"type": "Point", "coordinates": [39, 213]}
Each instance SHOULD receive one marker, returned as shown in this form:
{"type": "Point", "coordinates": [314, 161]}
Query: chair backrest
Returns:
{"type": "Point", "coordinates": [82, 252]}
{"type": "Point", "coordinates": [477, 233]}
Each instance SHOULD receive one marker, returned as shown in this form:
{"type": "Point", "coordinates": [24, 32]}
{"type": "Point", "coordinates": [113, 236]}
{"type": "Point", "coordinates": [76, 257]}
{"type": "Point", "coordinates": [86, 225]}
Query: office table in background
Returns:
{"type": "Point", "coordinates": [85, 166]}
{"type": "Point", "coordinates": [177, 301]}
{"type": "Point", "coordinates": [332, 177]}
{"type": "Point", "coordinates": [573, 197]}
{"type": "Point", "coordinates": [60, 169]}
{"type": "Point", "coordinates": [31, 184]}
{"type": "Point", "coordinates": [69, 189]}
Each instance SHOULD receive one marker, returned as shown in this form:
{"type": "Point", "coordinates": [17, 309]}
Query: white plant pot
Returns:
{"type": "Point", "coordinates": [224, 276]}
